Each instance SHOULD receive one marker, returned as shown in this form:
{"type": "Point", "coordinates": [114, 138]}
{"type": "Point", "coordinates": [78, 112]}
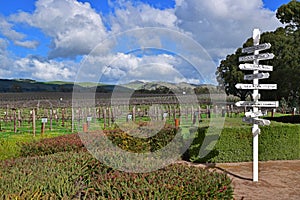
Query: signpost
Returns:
{"type": "Point", "coordinates": [253, 115]}
{"type": "Point", "coordinates": [255, 120]}
{"type": "Point", "coordinates": [259, 47]}
{"type": "Point", "coordinates": [44, 121]}
{"type": "Point", "coordinates": [250, 77]}
{"type": "Point", "coordinates": [252, 67]}
{"type": "Point", "coordinates": [256, 86]}
{"type": "Point", "coordinates": [268, 104]}
{"type": "Point", "coordinates": [264, 56]}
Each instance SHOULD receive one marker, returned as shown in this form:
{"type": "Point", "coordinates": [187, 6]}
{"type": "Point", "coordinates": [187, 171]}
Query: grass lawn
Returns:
{"type": "Point", "coordinates": [9, 147]}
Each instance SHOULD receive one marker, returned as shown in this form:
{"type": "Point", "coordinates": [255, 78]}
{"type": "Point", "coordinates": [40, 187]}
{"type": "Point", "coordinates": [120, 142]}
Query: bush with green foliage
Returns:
{"type": "Point", "coordinates": [235, 145]}
{"type": "Point", "coordinates": [73, 142]}
{"type": "Point", "coordinates": [70, 142]}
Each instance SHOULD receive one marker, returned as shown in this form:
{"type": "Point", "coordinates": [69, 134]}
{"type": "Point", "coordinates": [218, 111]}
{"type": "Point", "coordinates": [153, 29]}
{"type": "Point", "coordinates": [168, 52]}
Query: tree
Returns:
{"type": "Point", "coordinates": [289, 14]}
{"type": "Point", "coordinates": [286, 47]}
{"type": "Point", "coordinates": [229, 75]}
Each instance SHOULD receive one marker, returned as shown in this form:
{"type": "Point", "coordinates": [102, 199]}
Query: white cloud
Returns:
{"type": "Point", "coordinates": [220, 25]}
{"type": "Point", "coordinates": [6, 29]}
{"type": "Point", "coordinates": [124, 68]}
{"type": "Point", "coordinates": [3, 45]}
{"type": "Point", "coordinates": [5, 59]}
{"type": "Point", "coordinates": [75, 28]}
{"type": "Point", "coordinates": [223, 24]}
{"type": "Point", "coordinates": [27, 44]}
{"type": "Point", "coordinates": [142, 15]}
{"type": "Point", "coordinates": [42, 69]}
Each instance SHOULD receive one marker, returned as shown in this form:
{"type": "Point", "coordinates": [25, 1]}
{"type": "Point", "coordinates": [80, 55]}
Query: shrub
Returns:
{"type": "Point", "coordinates": [235, 144]}
{"type": "Point", "coordinates": [56, 176]}
{"type": "Point", "coordinates": [286, 119]}
{"type": "Point", "coordinates": [173, 182]}
{"type": "Point", "coordinates": [71, 175]}
{"type": "Point", "coordinates": [70, 142]}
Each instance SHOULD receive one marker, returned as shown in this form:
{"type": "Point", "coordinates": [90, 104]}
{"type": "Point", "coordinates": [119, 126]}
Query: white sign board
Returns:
{"type": "Point", "coordinates": [259, 47]}
{"type": "Point", "coordinates": [264, 56]}
{"type": "Point", "coordinates": [256, 67]}
{"type": "Point", "coordinates": [269, 104]}
{"type": "Point", "coordinates": [256, 87]}
{"type": "Point", "coordinates": [260, 122]}
{"type": "Point", "coordinates": [165, 115]}
{"type": "Point", "coordinates": [129, 117]}
{"type": "Point", "coordinates": [254, 114]}
{"type": "Point", "coordinates": [250, 77]}
{"type": "Point", "coordinates": [89, 119]}
{"type": "Point", "coordinates": [44, 120]}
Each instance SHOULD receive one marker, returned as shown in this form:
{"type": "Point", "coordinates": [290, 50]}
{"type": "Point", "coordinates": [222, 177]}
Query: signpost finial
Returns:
{"type": "Point", "coordinates": [256, 36]}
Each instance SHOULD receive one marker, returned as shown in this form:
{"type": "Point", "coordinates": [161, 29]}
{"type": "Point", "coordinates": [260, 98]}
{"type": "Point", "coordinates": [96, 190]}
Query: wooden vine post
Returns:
{"type": "Point", "coordinates": [15, 120]}
{"type": "Point", "coordinates": [33, 121]}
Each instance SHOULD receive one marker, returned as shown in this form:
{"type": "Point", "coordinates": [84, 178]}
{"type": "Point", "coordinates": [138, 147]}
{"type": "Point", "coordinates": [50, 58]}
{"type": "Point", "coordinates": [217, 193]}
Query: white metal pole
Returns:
{"type": "Point", "coordinates": [255, 129]}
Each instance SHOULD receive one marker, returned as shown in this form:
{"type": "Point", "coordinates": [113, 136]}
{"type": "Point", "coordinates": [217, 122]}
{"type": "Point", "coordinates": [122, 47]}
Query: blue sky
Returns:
{"type": "Point", "coordinates": [53, 39]}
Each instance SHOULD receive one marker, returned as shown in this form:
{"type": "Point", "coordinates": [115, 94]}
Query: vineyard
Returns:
{"type": "Point", "coordinates": [42, 128]}
{"type": "Point", "coordinates": [44, 112]}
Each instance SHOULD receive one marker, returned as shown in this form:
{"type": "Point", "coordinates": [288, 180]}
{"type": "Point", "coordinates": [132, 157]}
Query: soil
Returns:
{"type": "Point", "coordinates": [278, 180]}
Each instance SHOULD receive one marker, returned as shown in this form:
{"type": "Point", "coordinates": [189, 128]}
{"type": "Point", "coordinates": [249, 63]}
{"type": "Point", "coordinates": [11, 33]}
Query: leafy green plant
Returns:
{"type": "Point", "coordinates": [276, 142]}
{"type": "Point", "coordinates": [70, 142]}
{"type": "Point", "coordinates": [76, 175]}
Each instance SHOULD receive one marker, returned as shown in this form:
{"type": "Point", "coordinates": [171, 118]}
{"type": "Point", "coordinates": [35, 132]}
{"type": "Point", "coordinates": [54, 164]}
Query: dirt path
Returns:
{"type": "Point", "coordinates": [279, 180]}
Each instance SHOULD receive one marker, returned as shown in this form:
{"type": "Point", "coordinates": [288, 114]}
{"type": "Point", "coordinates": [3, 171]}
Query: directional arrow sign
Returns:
{"type": "Point", "coordinates": [250, 77]}
{"type": "Point", "coordinates": [260, 122]}
{"type": "Point", "coordinates": [256, 67]}
{"type": "Point", "coordinates": [256, 87]}
{"type": "Point", "coordinates": [244, 103]}
{"type": "Point", "coordinates": [269, 104]}
{"type": "Point", "coordinates": [264, 56]}
{"type": "Point", "coordinates": [254, 114]}
{"type": "Point", "coordinates": [259, 47]}
{"type": "Point", "coordinates": [247, 58]}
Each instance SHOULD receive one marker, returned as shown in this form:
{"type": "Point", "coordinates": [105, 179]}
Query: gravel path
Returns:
{"type": "Point", "coordinates": [278, 180]}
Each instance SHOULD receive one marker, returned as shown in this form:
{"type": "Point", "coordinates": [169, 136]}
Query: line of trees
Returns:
{"type": "Point", "coordinates": [286, 47]}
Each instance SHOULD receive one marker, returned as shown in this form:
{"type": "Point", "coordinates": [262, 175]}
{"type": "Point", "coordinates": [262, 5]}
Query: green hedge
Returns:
{"type": "Point", "coordinates": [235, 145]}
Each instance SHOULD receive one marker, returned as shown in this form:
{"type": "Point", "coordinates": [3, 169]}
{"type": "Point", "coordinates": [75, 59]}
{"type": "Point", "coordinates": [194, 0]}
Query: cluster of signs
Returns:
{"type": "Point", "coordinates": [252, 117]}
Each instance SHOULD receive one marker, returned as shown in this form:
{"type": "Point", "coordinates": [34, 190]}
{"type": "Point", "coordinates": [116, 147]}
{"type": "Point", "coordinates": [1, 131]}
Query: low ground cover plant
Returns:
{"type": "Point", "coordinates": [76, 175]}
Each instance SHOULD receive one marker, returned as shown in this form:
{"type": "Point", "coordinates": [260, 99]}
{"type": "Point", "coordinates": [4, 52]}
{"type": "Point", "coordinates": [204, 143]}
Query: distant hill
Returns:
{"type": "Point", "coordinates": [28, 85]}
{"type": "Point", "coordinates": [166, 87]}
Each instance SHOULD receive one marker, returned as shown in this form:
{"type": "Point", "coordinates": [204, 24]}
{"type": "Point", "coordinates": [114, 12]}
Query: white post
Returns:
{"type": "Point", "coordinates": [255, 129]}
{"type": "Point", "coordinates": [253, 115]}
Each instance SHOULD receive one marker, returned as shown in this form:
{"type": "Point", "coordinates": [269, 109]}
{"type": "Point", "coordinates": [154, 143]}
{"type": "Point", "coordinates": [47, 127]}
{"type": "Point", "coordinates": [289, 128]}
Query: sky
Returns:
{"type": "Point", "coordinates": [118, 41]}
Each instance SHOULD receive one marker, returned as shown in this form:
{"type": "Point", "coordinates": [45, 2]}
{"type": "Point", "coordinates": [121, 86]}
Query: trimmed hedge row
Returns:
{"type": "Point", "coordinates": [235, 145]}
